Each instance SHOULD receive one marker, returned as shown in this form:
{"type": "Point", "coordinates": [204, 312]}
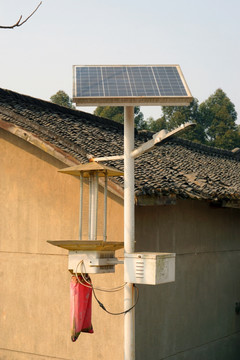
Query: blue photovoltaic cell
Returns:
{"type": "Point", "coordinates": [89, 81]}
{"type": "Point", "coordinates": [142, 81]}
{"type": "Point", "coordinates": [169, 81]}
{"type": "Point", "coordinates": [115, 81]}
{"type": "Point", "coordinates": [128, 81]}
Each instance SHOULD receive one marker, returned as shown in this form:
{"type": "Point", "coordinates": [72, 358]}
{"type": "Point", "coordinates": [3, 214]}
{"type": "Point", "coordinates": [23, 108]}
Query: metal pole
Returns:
{"type": "Point", "coordinates": [93, 206]}
{"type": "Point", "coordinates": [129, 222]}
{"type": "Point", "coordinates": [96, 206]}
{"type": "Point", "coordinates": [81, 206]}
{"type": "Point", "coordinates": [106, 158]}
{"type": "Point", "coordinates": [105, 210]}
{"type": "Point", "coordinates": [90, 207]}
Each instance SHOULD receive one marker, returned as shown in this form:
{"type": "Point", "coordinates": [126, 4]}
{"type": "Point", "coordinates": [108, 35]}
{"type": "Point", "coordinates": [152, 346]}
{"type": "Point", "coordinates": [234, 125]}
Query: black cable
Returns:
{"type": "Point", "coordinates": [87, 279]}
{"type": "Point", "coordinates": [120, 313]}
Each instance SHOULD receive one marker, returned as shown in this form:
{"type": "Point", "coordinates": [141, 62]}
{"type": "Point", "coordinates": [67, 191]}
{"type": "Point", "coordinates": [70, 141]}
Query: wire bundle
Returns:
{"type": "Point", "coordinates": [118, 288]}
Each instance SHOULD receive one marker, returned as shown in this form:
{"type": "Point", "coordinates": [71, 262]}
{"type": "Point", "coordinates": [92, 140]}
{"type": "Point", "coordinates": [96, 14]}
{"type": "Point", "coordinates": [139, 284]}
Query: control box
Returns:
{"type": "Point", "coordinates": [149, 268]}
{"type": "Point", "coordinates": [92, 262]}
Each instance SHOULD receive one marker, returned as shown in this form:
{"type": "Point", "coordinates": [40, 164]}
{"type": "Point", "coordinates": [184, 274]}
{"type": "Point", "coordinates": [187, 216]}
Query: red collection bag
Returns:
{"type": "Point", "coordinates": [81, 306]}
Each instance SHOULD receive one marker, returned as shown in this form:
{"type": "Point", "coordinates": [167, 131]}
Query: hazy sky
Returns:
{"type": "Point", "coordinates": [203, 37]}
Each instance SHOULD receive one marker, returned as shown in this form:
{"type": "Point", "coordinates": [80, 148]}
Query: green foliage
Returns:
{"type": "Point", "coordinates": [220, 120]}
{"type": "Point", "coordinates": [61, 98]}
{"type": "Point", "coordinates": [177, 115]}
{"type": "Point", "coordinates": [230, 140]}
{"type": "Point", "coordinates": [174, 116]}
{"type": "Point", "coordinates": [139, 121]}
{"type": "Point", "coordinates": [116, 113]}
{"type": "Point", "coordinates": [156, 125]}
{"type": "Point", "coordinates": [215, 120]}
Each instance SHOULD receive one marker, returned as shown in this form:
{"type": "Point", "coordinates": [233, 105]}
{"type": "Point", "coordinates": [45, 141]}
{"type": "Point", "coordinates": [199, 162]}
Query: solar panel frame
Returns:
{"type": "Point", "coordinates": [123, 85]}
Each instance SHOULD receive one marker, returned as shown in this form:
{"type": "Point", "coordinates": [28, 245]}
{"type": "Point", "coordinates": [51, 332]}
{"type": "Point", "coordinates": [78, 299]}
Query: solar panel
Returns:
{"type": "Point", "coordinates": [130, 85]}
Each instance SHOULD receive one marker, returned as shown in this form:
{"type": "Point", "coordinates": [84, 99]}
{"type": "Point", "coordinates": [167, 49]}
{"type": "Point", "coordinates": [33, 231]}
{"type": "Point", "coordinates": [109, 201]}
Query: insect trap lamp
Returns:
{"type": "Point", "coordinates": [91, 256]}
{"type": "Point", "coordinates": [94, 256]}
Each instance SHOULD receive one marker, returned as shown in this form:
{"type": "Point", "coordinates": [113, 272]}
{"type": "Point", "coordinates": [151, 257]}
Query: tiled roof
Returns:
{"type": "Point", "coordinates": [178, 166]}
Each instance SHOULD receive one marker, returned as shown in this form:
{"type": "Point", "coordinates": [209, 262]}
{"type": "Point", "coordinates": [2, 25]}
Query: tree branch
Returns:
{"type": "Point", "coordinates": [19, 23]}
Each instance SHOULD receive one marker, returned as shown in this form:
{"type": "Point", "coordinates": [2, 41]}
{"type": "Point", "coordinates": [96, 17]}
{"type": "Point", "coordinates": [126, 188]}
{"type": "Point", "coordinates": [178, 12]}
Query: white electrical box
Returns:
{"type": "Point", "coordinates": [149, 268]}
{"type": "Point", "coordinates": [92, 262]}
{"type": "Point", "coordinates": [90, 256]}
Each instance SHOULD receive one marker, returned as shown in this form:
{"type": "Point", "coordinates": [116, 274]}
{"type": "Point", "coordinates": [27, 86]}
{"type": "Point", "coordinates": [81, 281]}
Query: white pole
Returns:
{"type": "Point", "coordinates": [81, 206]}
{"type": "Point", "coordinates": [95, 200]}
{"type": "Point", "coordinates": [90, 207]}
{"type": "Point", "coordinates": [106, 158]}
{"type": "Point", "coordinates": [129, 222]}
{"type": "Point", "coordinates": [94, 206]}
{"type": "Point", "coordinates": [105, 209]}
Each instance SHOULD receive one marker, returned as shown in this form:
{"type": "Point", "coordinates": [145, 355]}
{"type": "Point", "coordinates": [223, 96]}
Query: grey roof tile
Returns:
{"type": "Point", "coordinates": [178, 166]}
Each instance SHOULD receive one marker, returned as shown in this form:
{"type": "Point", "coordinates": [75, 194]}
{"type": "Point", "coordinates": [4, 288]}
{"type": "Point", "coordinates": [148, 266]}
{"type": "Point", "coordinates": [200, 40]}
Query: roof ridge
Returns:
{"type": "Point", "coordinates": [5, 93]}
{"type": "Point", "coordinates": [205, 148]}
{"type": "Point", "coordinates": [49, 133]}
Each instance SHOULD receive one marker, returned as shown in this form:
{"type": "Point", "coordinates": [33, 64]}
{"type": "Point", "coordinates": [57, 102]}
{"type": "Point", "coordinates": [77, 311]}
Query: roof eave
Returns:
{"type": "Point", "coordinates": [54, 151]}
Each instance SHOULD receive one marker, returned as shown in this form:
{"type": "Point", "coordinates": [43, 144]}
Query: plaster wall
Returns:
{"type": "Point", "coordinates": [194, 317]}
{"type": "Point", "coordinates": [38, 204]}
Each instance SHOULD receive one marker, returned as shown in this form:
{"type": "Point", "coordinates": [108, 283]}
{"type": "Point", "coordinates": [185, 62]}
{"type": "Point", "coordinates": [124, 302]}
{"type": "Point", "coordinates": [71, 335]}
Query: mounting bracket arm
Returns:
{"type": "Point", "coordinates": [157, 138]}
